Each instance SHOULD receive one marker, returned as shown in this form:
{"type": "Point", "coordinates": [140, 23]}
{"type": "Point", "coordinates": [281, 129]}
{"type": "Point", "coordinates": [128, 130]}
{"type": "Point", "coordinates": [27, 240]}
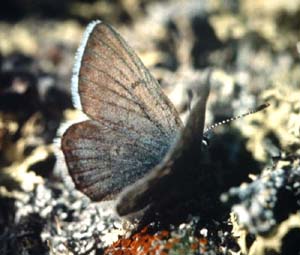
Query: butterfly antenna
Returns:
{"type": "Point", "coordinates": [255, 110]}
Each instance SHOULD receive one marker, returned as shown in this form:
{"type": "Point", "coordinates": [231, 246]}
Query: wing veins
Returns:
{"type": "Point", "coordinates": [114, 51]}
{"type": "Point", "coordinates": [108, 89]}
{"type": "Point", "coordinates": [157, 125]}
{"type": "Point", "coordinates": [88, 51]}
{"type": "Point", "coordinates": [144, 73]}
{"type": "Point", "coordinates": [109, 143]}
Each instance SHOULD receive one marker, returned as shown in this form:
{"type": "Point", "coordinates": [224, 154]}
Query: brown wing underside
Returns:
{"type": "Point", "coordinates": [132, 126]}
{"type": "Point", "coordinates": [115, 86]}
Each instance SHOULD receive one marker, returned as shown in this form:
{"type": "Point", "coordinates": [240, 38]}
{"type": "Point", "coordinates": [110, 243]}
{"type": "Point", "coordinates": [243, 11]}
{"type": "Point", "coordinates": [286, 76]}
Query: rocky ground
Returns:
{"type": "Point", "coordinates": [253, 48]}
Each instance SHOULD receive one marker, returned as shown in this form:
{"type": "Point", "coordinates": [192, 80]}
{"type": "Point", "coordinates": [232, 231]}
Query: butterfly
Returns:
{"type": "Point", "coordinates": [133, 146]}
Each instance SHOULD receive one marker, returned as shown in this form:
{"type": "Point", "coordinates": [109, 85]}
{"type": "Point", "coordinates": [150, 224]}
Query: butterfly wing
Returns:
{"type": "Point", "coordinates": [171, 175]}
{"type": "Point", "coordinates": [132, 123]}
{"type": "Point", "coordinates": [102, 159]}
{"type": "Point", "coordinates": [111, 83]}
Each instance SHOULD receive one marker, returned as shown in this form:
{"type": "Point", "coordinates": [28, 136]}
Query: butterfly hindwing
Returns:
{"type": "Point", "coordinates": [103, 159]}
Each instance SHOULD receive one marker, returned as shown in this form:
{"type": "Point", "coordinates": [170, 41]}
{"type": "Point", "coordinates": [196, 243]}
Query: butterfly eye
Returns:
{"type": "Point", "coordinates": [205, 141]}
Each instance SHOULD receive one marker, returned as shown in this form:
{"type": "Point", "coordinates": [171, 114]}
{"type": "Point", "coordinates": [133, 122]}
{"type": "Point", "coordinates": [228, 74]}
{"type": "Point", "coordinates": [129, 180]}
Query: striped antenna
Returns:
{"type": "Point", "coordinates": [255, 110]}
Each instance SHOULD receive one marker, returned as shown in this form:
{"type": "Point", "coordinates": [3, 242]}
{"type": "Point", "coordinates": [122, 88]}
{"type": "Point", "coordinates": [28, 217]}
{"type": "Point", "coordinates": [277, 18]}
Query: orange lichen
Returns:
{"type": "Point", "coordinates": [147, 243]}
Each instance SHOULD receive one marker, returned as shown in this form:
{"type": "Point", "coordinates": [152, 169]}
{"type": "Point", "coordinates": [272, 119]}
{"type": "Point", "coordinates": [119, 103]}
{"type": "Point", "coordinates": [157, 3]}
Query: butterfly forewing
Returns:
{"type": "Point", "coordinates": [115, 86]}
{"type": "Point", "coordinates": [132, 124]}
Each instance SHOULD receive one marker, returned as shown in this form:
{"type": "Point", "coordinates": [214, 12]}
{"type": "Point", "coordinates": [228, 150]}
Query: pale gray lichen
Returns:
{"type": "Point", "coordinates": [260, 205]}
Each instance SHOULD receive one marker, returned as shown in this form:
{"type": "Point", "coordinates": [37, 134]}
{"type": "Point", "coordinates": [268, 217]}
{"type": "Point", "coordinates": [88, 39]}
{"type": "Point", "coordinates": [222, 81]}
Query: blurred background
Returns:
{"type": "Point", "coordinates": [253, 46]}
